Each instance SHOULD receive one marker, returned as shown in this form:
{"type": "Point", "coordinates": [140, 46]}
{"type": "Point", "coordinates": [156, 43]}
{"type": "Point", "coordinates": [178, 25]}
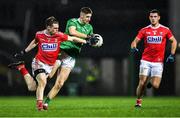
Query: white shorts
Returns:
{"type": "Point", "coordinates": [67, 61]}
{"type": "Point", "coordinates": [36, 64]}
{"type": "Point", "coordinates": [151, 68]}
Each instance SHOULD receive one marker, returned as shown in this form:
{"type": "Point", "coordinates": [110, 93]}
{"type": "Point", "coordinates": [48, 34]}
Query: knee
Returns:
{"type": "Point", "coordinates": [155, 85]}
{"type": "Point", "coordinates": [32, 88]}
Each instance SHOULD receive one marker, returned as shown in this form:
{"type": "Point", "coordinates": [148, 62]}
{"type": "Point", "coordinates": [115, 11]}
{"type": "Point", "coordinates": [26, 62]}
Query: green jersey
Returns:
{"type": "Point", "coordinates": [72, 48]}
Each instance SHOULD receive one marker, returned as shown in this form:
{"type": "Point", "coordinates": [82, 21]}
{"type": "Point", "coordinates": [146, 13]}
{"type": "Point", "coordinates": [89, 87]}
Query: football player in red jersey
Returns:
{"type": "Point", "coordinates": [154, 37]}
{"type": "Point", "coordinates": [48, 42]}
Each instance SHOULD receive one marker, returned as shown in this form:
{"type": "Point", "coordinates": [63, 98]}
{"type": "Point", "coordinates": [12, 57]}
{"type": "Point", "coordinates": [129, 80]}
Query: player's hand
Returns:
{"type": "Point", "coordinates": [92, 40]}
{"type": "Point", "coordinates": [89, 36]}
{"type": "Point", "coordinates": [20, 54]}
{"type": "Point", "coordinates": [134, 50]}
{"type": "Point", "coordinates": [170, 58]}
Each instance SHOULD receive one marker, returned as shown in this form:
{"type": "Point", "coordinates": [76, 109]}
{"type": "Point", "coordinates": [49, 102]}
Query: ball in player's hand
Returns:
{"type": "Point", "coordinates": [100, 40]}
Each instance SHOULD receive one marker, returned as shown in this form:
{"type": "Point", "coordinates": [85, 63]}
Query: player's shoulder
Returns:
{"type": "Point", "coordinates": [164, 27]}
{"type": "Point", "coordinates": [143, 29]}
{"type": "Point", "coordinates": [40, 32]}
{"type": "Point", "coordinates": [146, 27]}
{"type": "Point", "coordinates": [60, 33]}
{"type": "Point", "coordinates": [73, 20]}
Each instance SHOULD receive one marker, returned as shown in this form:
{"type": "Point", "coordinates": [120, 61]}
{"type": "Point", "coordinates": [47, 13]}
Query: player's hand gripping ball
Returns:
{"type": "Point", "coordinates": [99, 42]}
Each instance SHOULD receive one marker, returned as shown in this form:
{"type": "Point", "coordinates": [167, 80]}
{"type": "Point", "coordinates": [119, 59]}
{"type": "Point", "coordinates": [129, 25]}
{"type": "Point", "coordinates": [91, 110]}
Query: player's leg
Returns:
{"type": "Point", "coordinates": [66, 67]}
{"type": "Point", "coordinates": [62, 76]}
{"type": "Point", "coordinates": [140, 89]}
{"type": "Point", "coordinates": [40, 71]}
{"type": "Point", "coordinates": [156, 74]}
{"type": "Point", "coordinates": [143, 78]}
{"type": "Point", "coordinates": [42, 80]}
{"type": "Point", "coordinates": [156, 82]}
{"type": "Point", "coordinates": [29, 80]}
{"type": "Point", "coordinates": [54, 69]}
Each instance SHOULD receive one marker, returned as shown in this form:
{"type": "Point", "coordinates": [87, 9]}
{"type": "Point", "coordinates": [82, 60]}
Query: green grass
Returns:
{"type": "Point", "coordinates": [91, 107]}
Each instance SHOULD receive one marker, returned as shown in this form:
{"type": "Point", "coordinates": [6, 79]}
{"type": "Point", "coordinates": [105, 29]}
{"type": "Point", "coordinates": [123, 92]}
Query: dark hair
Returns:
{"type": "Point", "coordinates": [50, 21]}
{"type": "Point", "coordinates": [86, 10]}
{"type": "Point", "coordinates": [155, 11]}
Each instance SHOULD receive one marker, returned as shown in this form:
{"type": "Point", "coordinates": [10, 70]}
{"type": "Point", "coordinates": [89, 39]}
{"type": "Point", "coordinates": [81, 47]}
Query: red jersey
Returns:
{"type": "Point", "coordinates": [48, 46]}
{"type": "Point", "coordinates": [154, 42]}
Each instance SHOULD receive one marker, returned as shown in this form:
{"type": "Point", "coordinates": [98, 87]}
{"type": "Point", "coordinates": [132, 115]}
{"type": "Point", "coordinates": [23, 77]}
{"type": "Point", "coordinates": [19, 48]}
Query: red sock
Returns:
{"type": "Point", "coordinates": [22, 69]}
{"type": "Point", "coordinates": [39, 104]}
{"type": "Point", "coordinates": [138, 101]}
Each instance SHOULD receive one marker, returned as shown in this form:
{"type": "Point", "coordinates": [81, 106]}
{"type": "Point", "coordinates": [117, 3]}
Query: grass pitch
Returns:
{"type": "Point", "coordinates": [91, 107]}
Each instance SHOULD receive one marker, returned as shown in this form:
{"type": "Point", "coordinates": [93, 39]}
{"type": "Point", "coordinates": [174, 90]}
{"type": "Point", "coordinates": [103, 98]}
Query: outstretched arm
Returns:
{"type": "Point", "coordinates": [31, 45]}
{"type": "Point", "coordinates": [173, 45]}
{"type": "Point", "coordinates": [76, 39]}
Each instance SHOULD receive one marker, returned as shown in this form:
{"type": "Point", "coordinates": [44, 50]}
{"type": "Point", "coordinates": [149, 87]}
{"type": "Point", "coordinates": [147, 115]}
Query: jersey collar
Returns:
{"type": "Point", "coordinates": [80, 22]}
{"type": "Point", "coordinates": [155, 27]}
{"type": "Point", "coordinates": [46, 33]}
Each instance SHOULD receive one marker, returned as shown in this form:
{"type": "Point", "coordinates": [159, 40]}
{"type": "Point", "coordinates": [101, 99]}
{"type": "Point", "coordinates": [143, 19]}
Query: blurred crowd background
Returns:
{"type": "Point", "coordinates": [109, 70]}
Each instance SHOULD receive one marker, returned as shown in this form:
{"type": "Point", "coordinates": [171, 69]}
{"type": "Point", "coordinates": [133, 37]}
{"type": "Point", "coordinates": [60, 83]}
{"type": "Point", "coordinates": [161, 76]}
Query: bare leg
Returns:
{"type": "Point", "coordinates": [140, 89]}
{"type": "Point", "coordinates": [155, 81]}
{"type": "Point", "coordinates": [141, 86]}
{"type": "Point", "coordinates": [42, 80]}
{"type": "Point", "coordinates": [61, 78]}
{"type": "Point", "coordinates": [30, 82]}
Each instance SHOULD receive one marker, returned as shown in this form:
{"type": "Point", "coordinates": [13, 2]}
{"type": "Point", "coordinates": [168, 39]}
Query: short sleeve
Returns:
{"type": "Point", "coordinates": [37, 36]}
{"type": "Point", "coordinates": [71, 23]}
{"type": "Point", "coordinates": [140, 34]}
{"type": "Point", "coordinates": [63, 37]}
{"type": "Point", "coordinates": [169, 34]}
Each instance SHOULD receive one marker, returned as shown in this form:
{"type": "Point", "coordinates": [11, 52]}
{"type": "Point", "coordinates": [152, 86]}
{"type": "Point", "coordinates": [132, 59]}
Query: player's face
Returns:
{"type": "Point", "coordinates": [86, 18]}
{"type": "Point", "coordinates": [53, 29]}
{"type": "Point", "coordinates": [154, 18]}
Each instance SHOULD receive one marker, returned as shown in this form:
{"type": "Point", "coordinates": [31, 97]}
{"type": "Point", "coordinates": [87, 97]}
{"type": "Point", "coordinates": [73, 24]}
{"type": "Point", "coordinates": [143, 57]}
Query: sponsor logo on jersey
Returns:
{"type": "Point", "coordinates": [154, 39]}
{"type": "Point", "coordinates": [49, 46]}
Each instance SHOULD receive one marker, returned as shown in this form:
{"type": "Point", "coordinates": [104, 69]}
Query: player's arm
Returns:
{"type": "Point", "coordinates": [76, 39]}
{"type": "Point", "coordinates": [32, 45]}
{"type": "Point", "coordinates": [74, 32]}
{"type": "Point", "coordinates": [134, 43]}
{"type": "Point", "coordinates": [173, 45]}
{"type": "Point", "coordinates": [29, 47]}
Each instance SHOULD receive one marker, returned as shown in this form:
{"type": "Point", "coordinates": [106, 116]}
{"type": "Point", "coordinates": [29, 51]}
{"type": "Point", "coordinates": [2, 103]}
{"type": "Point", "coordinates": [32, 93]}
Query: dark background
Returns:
{"type": "Point", "coordinates": [118, 21]}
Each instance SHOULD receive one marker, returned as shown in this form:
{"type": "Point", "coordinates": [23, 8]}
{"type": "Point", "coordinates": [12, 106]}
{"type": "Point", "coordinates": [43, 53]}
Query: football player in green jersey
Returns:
{"type": "Point", "coordinates": [78, 27]}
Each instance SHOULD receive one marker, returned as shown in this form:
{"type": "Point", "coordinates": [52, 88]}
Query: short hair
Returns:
{"type": "Point", "coordinates": [86, 10]}
{"type": "Point", "coordinates": [50, 21]}
{"type": "Point", "coordinates": [155, 11]}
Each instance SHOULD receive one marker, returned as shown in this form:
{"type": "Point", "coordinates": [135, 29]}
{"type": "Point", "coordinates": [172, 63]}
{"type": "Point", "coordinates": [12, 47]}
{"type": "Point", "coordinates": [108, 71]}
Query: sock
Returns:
{"type": "Point", "coordinates": [47, 100]}
{"type": "Point", "coordinates": [39, 104]}
{"type": "Point", "coordinates": [22, 69]}
{"type": "Point", "coordinates": [138, 101]}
